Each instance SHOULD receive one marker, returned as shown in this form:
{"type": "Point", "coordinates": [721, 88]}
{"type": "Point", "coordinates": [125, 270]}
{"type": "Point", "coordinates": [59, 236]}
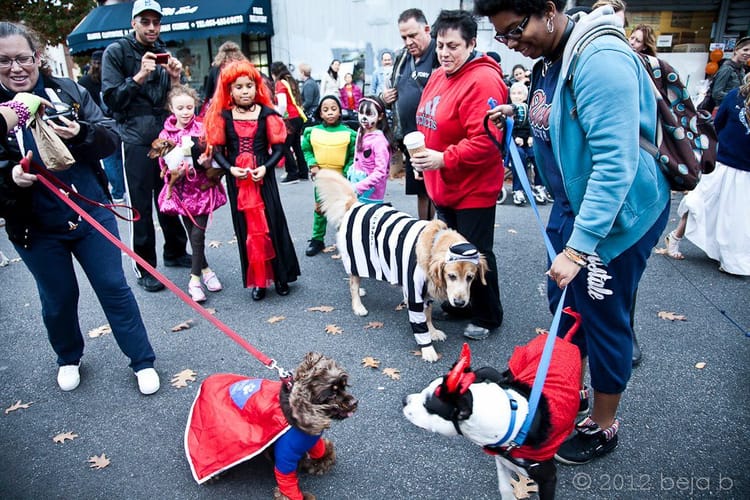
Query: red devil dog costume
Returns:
{"type": "Point", "coordinates": [235, 418]}
{"type": "Point", "coordinates": [489, 409]}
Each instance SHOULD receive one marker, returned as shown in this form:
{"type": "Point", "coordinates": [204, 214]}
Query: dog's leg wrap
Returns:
{"type": "Point", "coordinates": [545, 475]}
{"type": "Point", "coordinates": [288, 484]}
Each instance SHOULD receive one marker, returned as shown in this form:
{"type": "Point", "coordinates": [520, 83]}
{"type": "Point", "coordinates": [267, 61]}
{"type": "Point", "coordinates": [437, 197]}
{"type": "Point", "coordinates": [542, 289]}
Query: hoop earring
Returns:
{"type": "Point", "coordinates": [550, 26]}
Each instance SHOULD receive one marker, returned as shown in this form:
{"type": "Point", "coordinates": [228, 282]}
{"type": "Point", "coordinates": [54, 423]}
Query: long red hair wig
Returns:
{"type": "Point", "coordinates": [213, 123]}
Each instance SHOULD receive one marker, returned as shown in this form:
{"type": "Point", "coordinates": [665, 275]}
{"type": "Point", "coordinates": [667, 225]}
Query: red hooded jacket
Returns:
{"type": "Point", "coordinates": [451, 116]}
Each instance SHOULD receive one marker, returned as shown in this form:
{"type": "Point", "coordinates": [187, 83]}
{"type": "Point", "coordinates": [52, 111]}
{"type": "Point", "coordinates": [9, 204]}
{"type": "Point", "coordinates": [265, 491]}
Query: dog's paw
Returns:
{"type": "Point", "coordinates": [436, 334]}
{"type": "Point", "coordinates": [319, 466]}
{"type": "Point", "coordinates": [429, 354]}
{"type": "Point", "coordinates": [360, 310]}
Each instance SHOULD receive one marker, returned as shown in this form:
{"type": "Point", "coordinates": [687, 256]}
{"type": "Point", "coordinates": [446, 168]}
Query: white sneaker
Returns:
{"type": "Point", "coordinates": [68, 377]}
{"type": "Point", "coordinates": [539, 195]}
{"type": "Point", "coordinates": [211, 281]}
{"type": "Point", "coordinates": [519, 198]}
{"type": "Point", "coordinates": [148, 381]}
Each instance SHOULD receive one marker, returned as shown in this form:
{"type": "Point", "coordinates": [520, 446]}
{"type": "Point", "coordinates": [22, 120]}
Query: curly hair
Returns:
{"type": "Point", "coordinates": [178, 90]}
{"type": "Point", "coordinates": [213, 121]}
{"type": "Point", "coordinates": [649, 38]}
{"type": "Point", "coordinates": [228, 52]}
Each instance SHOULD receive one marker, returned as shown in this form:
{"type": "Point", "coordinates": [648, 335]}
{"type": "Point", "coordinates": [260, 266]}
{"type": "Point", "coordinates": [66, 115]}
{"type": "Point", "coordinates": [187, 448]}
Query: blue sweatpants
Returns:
{"type": "Point", "coordinates": [50, 260]}
{"type": "Point", "coordinates": [604, 296]}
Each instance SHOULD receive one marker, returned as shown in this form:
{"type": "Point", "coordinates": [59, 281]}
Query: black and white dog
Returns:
{"type": "Point", "coordinates": [489, 408]}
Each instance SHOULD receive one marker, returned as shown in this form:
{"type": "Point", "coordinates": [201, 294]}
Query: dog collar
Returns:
{"type": "Point", "coordinates": [465, 252]}
{"type": "Point", "coordinates": [512, 426]}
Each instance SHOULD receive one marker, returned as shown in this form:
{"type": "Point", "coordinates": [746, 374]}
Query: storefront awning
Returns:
{"type": "Point", "coordinates": [182, 20]}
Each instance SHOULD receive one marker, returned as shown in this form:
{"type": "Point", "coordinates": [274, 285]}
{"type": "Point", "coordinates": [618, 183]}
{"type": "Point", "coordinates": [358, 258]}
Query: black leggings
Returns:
{"type": "Point", "coordinates": [197, 237]}
{"type": "Point", "coordinates": [294, 159]}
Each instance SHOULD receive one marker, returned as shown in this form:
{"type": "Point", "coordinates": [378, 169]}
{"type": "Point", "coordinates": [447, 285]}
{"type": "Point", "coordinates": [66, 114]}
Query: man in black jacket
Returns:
{"type": "Point", "coordinates": [135, 89]}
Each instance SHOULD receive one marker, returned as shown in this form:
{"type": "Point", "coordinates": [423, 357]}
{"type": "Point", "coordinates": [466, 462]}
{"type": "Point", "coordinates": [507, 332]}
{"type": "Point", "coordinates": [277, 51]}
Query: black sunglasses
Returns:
{"type": "Point", "coordinates": [513, 34]}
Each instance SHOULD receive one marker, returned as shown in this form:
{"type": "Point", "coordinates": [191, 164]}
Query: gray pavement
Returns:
{"type": "Point", "coordinates": [684, 430]}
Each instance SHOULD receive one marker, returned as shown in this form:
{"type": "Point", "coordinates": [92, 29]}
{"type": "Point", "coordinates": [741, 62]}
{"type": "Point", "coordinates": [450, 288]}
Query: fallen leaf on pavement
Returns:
{"type": "Point", "coordinates": [18, 406]}
{"type": "Point", "coordinates": [336, 256]}
{"type": "Point", "coordinates": [98, 462]}
{"type": "Point", "coordinates": [512, 231]}
{"type": "Point", "coordinates": [181, 379]}
{"type": "Point", "coordinates": [329, 249]}
{"type": "Point", "coordinates": [334, 330]}
{"type": "Point", "coordinates": [374, 325]}
{"type": "Point", "coordinates": [661, 251]}
{"type": "Point", "coordinates": [211, 311]}
{"type": "Point", "coordinates": [275, 319]}
{"type": "Point", "coordinates": [370, 362]}
{"type": "Point", "coordinates": [541, 331]}
{"type": "Point", "coordinates": [701, 365]}
{"type": "Point", "coordinates": [393, 373]}
{"type": "Point", "coordinates": [323, 309]}
{"type": "Point", "coordinates": [63, 436]}
{"type": "Point", "coordinates": [672, 316]}
{"type": "Point", "coordinates": [185, 325]}
{"type": "Point", "coordinates": [523, 487]}
{"type": "Point", "coordinates": [400, 306]}
{"type": "Point", "coordinates": [99, 331]}
{"type": "Point", "coordinates": [213, 244]}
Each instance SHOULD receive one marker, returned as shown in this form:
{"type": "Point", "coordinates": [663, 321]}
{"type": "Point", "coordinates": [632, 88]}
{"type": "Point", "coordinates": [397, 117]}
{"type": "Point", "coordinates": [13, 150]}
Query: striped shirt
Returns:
{"type": "Point", "coordinates": [381, 244]}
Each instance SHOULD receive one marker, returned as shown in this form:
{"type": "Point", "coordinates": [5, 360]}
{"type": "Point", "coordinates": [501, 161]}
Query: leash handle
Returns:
{"type": "Point", "coordinates": [268, 362]}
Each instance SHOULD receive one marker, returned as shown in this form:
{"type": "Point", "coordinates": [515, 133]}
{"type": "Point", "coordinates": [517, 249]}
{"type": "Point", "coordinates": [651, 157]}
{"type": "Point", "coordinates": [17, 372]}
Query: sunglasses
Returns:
{"type": "Point", "coordinates": [515, 33]}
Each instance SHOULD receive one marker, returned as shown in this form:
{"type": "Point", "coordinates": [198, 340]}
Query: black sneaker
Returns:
{"type": "Point", "coordinates": [314, 248]}
{"type": "Point", "coordinates": [586, 444]}
{"type": "Point", "coordinates": [182, 261]}
{"type": "Point", "coordinates": [287, 179]}
{"type": "Point", "coordinates": [150, 284]}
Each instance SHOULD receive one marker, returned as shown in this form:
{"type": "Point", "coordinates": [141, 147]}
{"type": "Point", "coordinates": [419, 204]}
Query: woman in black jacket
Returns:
{"type": "Point", "coordinates": [45, 232]}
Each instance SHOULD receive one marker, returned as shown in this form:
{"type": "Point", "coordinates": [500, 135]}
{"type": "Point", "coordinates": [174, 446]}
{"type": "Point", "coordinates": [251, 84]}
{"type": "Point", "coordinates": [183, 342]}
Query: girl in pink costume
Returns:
{"type": "Point", "coordinates": [369, 173]}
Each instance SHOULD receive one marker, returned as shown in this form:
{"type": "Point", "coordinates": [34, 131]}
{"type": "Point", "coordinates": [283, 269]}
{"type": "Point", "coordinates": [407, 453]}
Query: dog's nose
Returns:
{"type": "Point", "coordinates": [459, 302]}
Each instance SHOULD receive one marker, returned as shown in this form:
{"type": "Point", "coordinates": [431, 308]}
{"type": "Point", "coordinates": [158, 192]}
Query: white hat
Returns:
{"type": "Point", "coordinates": [144, 5]}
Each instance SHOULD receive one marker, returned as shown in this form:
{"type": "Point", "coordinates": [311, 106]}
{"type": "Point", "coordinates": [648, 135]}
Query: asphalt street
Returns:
{"type": "Point", "coordinates": [685, 419]}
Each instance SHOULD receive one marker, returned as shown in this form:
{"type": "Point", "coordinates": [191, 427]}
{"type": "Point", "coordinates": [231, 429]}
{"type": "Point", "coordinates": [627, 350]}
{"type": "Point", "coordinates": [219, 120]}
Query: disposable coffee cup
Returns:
{"type": "Point", "coordinates": [414, 142]}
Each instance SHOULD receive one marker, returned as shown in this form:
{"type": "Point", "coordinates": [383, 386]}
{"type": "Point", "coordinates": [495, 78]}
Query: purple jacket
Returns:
{"type": "Point", "coordinates": [369, 173]}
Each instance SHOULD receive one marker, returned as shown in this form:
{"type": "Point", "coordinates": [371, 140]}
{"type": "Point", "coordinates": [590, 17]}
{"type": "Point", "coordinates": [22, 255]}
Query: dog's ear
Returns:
{"type": "Point", "coordinates": [483, 268]}
{"type": "Point", "coordinates": [435, 273]}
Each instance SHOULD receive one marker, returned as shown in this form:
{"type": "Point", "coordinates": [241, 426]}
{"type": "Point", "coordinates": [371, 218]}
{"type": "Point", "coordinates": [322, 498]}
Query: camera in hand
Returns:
{"type": "Point", "coordinates": [162, 58]}
{"type": "Point", "coordinates": [60, 109]}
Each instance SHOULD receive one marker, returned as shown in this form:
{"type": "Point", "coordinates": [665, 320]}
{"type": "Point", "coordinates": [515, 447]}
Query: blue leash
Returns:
{"type": "Point", "coordinates": [543, 368]}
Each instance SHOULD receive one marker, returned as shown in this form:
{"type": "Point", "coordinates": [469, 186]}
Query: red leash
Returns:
{"type": "Point", "coordinates": [63, 191]}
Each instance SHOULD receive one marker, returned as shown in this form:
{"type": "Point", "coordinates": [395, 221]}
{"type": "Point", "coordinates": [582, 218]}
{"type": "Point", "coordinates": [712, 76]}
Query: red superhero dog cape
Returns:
{"type": "Point", "coordinates": [233, 419]}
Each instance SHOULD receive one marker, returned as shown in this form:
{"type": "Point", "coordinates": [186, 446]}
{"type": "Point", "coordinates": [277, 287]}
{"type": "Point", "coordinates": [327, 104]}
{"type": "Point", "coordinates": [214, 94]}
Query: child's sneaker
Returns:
{"type": "Point", "coordinates": [588, 442]}
{"type": "Point", "coordinates": [211, 281]}
{"type": "Point", "coordinates": [519, 199]}
{"type": "Point", "coordinates": [539, 195]}
{"type": "Point", "coordinates": [69, 376]}
{"type": "Point", "coordinates": [196, 291]}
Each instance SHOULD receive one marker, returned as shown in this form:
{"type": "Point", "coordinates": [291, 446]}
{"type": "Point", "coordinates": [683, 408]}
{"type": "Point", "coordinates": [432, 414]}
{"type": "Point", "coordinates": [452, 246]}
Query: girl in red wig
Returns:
{"type": "Point", "coordinates": [247, 137]}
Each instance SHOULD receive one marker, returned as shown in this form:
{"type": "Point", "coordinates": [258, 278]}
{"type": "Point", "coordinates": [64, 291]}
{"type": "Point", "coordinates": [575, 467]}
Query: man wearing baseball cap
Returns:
{"type": "Point", "coordinates": [134, 86]}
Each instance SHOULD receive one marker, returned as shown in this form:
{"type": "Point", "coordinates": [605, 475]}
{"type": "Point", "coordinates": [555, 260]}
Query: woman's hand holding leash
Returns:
{"type": "Point", "coordinates": [499, 113]}
{"type": "Point", "coordinates": [563, 270]}
{"type": "Point", "coordinates": [20, 176]}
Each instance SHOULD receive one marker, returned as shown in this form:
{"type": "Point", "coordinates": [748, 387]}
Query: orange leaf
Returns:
{"type": "Point", "coordinates": [329, 249]}
{"type": "Point", "coordinates": [661, 251]}
{"type": "Point", "coordinates": [541, 331]}
{"type": "Point", "coordinates": [181, 379]}
{"type": "Point", "coordinates": [334, 330]}
{"type": "Point", "coordinates": [98, 462]}
{"type": "Point", "coordinates": [374, 325]}
{"type": "Point", "coordinates": [185, 325]}
{"type": "Point", "coordinates": [323, 309]}
{"type": "Point", "coordinates": [63, 436]}
{"type": "Point", "coordinates": [370, 362]}
{"type": "Point", "coordinates": [401, 306]}
{"type": "Point", "coordinates": [672, 316]}
{"type": "Point", "coordinates": [275, 319]}
{"type": "Point", "coordinates": [701, 365]}
{"type": "Point", "coordinates": [18, 406]}
{"type": "Point", "coordinates": [336, 256]}
{"type": "Point", "coordinates": [99, 331]}
{"type": "Point", "coordinates": [393, 373]}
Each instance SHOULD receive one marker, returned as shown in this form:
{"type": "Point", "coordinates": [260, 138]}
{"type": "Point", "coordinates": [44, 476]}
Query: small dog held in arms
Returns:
{"type": "Point", "coordinates": [489, 408]}
{"type": "Point", "coordinates": [428, 260]}
{"type": "Point", "coordinates": [235, 418]}
{"type": "Point", "coordinates": [178, 163]}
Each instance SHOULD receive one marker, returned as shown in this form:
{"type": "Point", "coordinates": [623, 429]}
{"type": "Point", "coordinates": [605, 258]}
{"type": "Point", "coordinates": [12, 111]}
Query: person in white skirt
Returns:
{"type": "Point", "coordinates": [714, 215]}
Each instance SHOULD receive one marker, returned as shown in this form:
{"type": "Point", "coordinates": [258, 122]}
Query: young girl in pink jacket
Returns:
{"type": "Point", "coordinates": [369, 173]}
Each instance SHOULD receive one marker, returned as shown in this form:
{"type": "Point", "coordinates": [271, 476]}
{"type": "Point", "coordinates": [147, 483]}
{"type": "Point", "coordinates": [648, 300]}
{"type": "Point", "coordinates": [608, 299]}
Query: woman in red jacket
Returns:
{"type": "Point", "coordinates": [463, 170]}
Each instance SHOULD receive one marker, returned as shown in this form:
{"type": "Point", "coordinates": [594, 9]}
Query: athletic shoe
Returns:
{"type": "Point", "coordinates": [196, 291]}
{"type": "Point", "coordinates": [148, 381]}
{"type": "Point", "coordinates": [211, 281]}
{"type": "Point", "coordinates": [475, 332]}
{"type": "Point", "coordinates": [539, 196]}
{"type": "Point", "coordinates": [182, 261]}
{"type": "Point", "coordinates": [150, 284]}
{"type": "Point", "coordinates": [519, 199]}
{"type": "Point", "coordinates": [588, 443]}
{"type": "Point", "coordinates": [69, 376]}
{"type": "Point", "coordinates": [314, 248]}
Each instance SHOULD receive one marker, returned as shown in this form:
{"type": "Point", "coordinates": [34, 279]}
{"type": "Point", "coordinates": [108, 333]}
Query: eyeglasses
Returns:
{"type": "Point", "coordinates": [7, 62]}
{"type": "Point", "coordinates": [514, 34]}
